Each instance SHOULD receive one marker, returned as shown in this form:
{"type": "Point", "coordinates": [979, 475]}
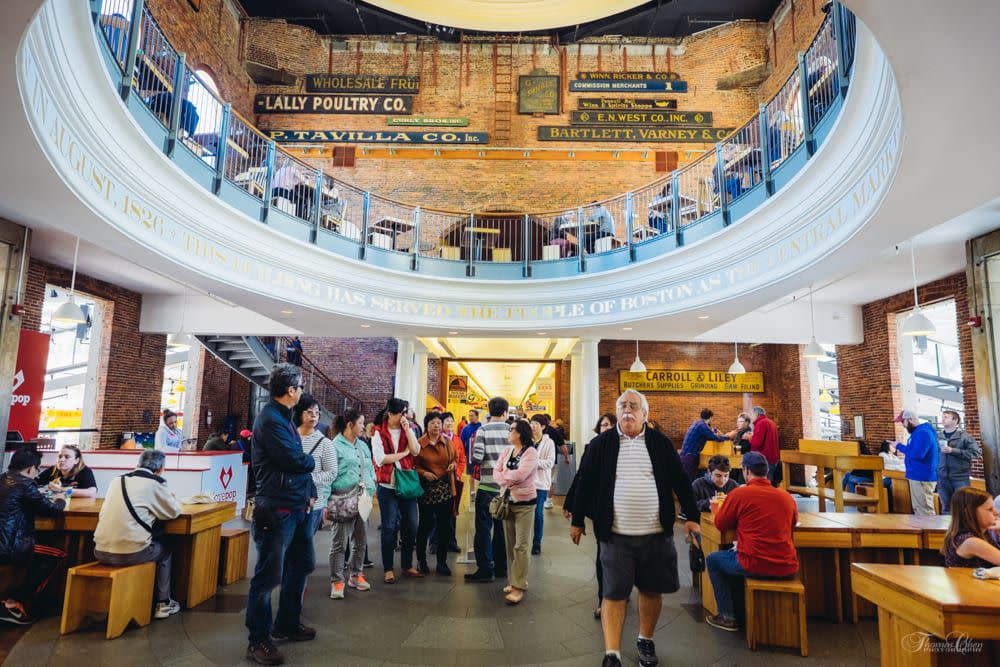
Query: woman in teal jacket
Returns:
{"type": "Point", "coordinates": [354, 469]}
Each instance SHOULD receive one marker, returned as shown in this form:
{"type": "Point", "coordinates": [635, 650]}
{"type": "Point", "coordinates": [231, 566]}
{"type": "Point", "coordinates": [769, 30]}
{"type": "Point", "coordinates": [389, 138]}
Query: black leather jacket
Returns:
{"type": "Point", "coordinates": [20, 502]}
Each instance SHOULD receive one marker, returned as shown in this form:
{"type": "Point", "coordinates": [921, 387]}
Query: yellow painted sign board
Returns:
{"type": "Point", "coordinates": [658, 380]}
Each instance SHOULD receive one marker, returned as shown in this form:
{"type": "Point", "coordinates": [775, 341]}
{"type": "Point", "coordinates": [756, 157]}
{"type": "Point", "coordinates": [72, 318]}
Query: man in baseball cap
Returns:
{"type": "Point", "coordinates": [921, 452]}
{"type": "Point", "coordinates": [763, 517]}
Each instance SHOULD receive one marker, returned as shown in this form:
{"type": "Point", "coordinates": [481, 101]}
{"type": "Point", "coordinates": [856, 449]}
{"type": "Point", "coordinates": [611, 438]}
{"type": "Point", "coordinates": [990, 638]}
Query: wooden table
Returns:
{"type": "Point", "coordinates": [196, 536]}
{"type": "Point", "coordinates": [829, 542]}
{"type": "Point", "coordinates": [919, 607]}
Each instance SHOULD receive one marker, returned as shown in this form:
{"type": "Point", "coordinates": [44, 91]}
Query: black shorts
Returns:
{"type": "Point", "coordinates": [648, 562]}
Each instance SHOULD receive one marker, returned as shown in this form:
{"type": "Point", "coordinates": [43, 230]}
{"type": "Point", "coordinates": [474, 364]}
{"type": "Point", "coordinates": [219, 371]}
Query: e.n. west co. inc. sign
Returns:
{"type": "Point", "coordinates": [691, 380]}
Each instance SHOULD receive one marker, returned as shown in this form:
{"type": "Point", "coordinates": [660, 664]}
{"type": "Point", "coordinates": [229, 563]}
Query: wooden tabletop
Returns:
{"type": "Point", "coordinates": [83, 513]}
{"type": "Point", "coordinates": [949, 590]}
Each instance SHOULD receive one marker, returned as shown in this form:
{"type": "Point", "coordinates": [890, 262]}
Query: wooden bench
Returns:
{"type": "Point", "coordinates": [840, 465]}
{"type": "Point", "coordinates": [123, 594]}
{"type": "Point", "coordinates": [713, 448]}
{"type": "Point", "coordinates": [235, 548]}
{"type": "Point", "coordinates": [776, 613]}
{"type": "Point", "coordinates": [830, 447]}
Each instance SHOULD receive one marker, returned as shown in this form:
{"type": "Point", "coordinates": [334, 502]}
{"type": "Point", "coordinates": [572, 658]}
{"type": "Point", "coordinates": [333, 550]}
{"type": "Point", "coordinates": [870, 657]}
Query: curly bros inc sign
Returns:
{"type": "Point", "coordinates": [688, 380]}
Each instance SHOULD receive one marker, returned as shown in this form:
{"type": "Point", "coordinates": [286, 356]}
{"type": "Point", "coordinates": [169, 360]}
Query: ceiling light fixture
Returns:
{"type": "Point", "coordinates": [366, 326]}
{"type": "Point", "coordinates": [626, 328]}
{"type": "Point", "coordinates": [917, 324]}
{"type": "Point", "coordinates": [181, 339]}
{"type": "Point", "coordinates": [70, 312]}
{"type": "Point", "coordinates": [286, 312]}
{"type": "Point", "coordinates": [703, 317]}
{"type": "Point", "coordinates": [637, 365]}
{"type": "Point", "coordinates": [813, 350]}
{"type": "Point", "coordinates": [452, 333]}
{"type": "Point", "coordinates": [736, 368]}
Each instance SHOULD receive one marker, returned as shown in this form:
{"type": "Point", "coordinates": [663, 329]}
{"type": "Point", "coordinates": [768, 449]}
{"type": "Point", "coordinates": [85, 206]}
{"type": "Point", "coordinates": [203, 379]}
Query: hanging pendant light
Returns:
{"type": "Point", "coordinates": [825, 396]}
{"type": "Point", "coordinates": [737, 368]}
{"type": "Point", "coordinates": [70, 311]}
{"type": "Point", "coordinates": [637, 365]}
{"type": "Point", "coordinates": [813, 350]}
{"type": "Point", "coordinates": [917, 324]}
{"type": "Point", "coordinates": [181, 338]}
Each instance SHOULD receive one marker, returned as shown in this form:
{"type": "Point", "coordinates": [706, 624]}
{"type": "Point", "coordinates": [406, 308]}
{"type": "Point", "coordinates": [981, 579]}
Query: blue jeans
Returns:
{"type": "Point", "coordinates": [727, 576]}
{"type": "Point", "coordinates": [539, 517]}
{"type": "Point", "coordinates": [489, 541]}
{"type": "Point", "coordinates": [398, 517]}
{"type": "Point", "coordinates": [947, 486]}
{"type": "Point", "coordinates": [284, 556]}
{"type": "Point", "coordinates": [317, 519]}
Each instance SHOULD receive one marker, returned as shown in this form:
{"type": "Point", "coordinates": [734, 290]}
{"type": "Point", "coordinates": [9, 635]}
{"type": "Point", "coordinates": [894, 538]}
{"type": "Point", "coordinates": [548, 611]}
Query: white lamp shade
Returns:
{"type": "Point", "coordinates": [814, 350]}
{"type": "Point", "coordinates": [918, 324]}
{"type": "Point", "coordinates": [637, 366]}
{"type": "Point", "coordinates": [737, 368]}
{"type": "Point", "coordinates": [69, 313]}
{"type": "Point", "coordinates": [179, 340]}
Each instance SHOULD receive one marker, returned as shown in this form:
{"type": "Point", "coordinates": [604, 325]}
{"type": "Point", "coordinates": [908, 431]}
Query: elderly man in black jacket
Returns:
{"type": "Point", "coordinates": [20, 502]}
{"type": "Point", "coordinates": [629, 479]}
{"type": "Point", "coordinates": [281, 521]}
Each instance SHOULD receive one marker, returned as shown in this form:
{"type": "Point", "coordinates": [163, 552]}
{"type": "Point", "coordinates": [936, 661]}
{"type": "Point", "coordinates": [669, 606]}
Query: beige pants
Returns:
{"type": "Point", "coordinates": [517, 530]}
{"type": "Point", "coordinates": [922, 497]}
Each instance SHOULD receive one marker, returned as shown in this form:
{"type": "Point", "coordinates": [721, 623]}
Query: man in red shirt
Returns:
{"type": "Point", "coordinates": [764, 439]}
{"type": "Point", "coordinates": [763, 517]}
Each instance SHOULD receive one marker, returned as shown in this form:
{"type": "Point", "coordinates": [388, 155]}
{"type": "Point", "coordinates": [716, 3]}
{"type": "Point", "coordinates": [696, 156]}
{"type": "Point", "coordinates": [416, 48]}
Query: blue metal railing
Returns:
{"type": "Point", "coordinates": [301, 200]}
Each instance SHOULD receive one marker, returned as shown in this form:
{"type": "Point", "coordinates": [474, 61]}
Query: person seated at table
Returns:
{"type": "Point", "coordinates": [891, 459]}
{"type": "Point", "coordinates": [560, 239]}
{"type": "Point", "coordinates": [601, 225]}
{"type": "Point", "coordinates": [968, 542]}
{"type": "Point", "coordinates": [216, 442]}
{"type": "Point", "coordinates": [699, 433]}
{"type": "Point", "coordinates": [764, 517]}
{"type": "Point", "coordinates": [69, 472]}
{"type": "Point", "coordinates": [20, 502]}
{"type": "Point", "coordinates": [129, 526]}
{"type": "Point", "coordinates": [714, 482]}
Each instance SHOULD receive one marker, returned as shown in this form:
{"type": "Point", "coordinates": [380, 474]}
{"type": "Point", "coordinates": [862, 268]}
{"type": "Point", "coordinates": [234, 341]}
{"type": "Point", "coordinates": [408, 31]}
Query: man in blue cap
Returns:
{"type": "Point", "coordinates": [764, 517]}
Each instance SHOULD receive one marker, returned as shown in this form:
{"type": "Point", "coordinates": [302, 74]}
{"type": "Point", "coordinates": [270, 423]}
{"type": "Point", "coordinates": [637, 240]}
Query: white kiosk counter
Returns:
{"type": "Point", "coordinates": [221, 475]}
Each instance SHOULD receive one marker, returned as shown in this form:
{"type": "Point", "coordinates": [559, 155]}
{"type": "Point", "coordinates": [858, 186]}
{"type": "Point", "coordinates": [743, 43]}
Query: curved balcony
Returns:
{"type": "Point", "coordinates": [223, 152]}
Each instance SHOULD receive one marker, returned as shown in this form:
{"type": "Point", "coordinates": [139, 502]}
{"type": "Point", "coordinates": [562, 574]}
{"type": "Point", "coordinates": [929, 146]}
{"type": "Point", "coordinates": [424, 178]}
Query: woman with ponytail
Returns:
{"type": "Point", "coordinates": [354, 470]}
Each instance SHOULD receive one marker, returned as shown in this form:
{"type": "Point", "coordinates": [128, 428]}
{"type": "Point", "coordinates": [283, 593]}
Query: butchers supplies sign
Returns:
{"type": "Point", "coordinates": [378, 137]}
{"type": "Point", "coordinates": [355, 104]}
{"type": "Point", "coordinates": [691, 381]}
{"type": "Point", "coordinates": [29, 383]}
{"type": "Point", "coordinates": [361, 83]}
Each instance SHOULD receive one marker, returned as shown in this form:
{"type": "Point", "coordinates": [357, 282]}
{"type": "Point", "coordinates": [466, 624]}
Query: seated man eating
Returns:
{"type": "Point", "coordinates": [717, 481]}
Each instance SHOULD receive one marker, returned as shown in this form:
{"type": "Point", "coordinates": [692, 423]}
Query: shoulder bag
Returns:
{"type": "Point", "coordinates": [158, 529]}
{"type": "Point", "coordinates": [408, 486]}
{"type": "Point", "coordinates": [500, 508]}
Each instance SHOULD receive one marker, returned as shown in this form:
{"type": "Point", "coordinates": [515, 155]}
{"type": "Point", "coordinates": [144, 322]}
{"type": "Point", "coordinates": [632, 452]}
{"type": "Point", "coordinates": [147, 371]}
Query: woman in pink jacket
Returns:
{"type": "Point", "coordinates": [515, 472]}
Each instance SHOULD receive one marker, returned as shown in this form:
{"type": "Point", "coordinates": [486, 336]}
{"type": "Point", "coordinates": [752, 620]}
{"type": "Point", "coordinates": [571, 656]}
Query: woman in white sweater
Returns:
{"type": "Point", "coordinates": [317, 445]}
{"type": "Point", "coordinates": [543, 477]}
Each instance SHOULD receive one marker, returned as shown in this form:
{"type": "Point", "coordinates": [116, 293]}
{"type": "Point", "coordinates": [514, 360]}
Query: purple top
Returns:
{"type": "Point", "coordinates": [952, 559]}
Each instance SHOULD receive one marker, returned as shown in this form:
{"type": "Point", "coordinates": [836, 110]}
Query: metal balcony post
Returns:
{"type": "Point", "coordinates": [837, 16]}
{"type": "Point", "coordinates": [720, 178]}
{"type": "Point", "coordinates": [176, 102]}
{"type": "Point", "coordinates": [131, 50]}
{"type": "Point", "coordinates": [415, 250]}
{"type": "Point", "coordinates": [365, 212]}
{"type": "Point", "coordinates": [317, 210]}
{"type": "Point", "coordinates": [629, 227]}
{"type": "Point", "coordinates": [675, 206]}
{"type": "Point", "coordinates": [579, 242]}
{"type": "Point", "coordinates": [470, 249]}
{"type": "Point", "coordinates": [526, 246]}
{"type": "Point", "coordinates": [222, 148]}
{"type": "Point", "coordinates": [804, 107]}
{"type": "Point", "coordinates": [268, 180]}
{"type": "Point", "coordinates": [765, 151]}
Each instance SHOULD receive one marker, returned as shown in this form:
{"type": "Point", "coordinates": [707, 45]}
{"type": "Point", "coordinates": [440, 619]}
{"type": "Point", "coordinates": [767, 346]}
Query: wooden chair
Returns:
{"type": "Point", "coordinates": [550, 252]}
{"type": "Point", "coordinates": [776, 613]}
{"type": "Point", "coordinates": [383, 241]}
{"type": "Point", "coordinates": [501, 255]}
{"type": "Point", "coordinates": [234, 551]}
{"type": "Point", "coordinates": [604, 244]}
{"type": "Point", "coordinates": [451, 252]}
{"type": "Point", "coordinates": [283, 205]}
{"type": "Point", "coordinates": [123, 594]}
{"type": "Point", "coordinates": [840, 465]}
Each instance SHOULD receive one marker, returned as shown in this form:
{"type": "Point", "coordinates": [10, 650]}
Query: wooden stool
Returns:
{"type": "Point", "coordinates": [776, 613]}
{"type": "Point", "coordinates": [122, 593]}
{"type": "Point", "coordinates": [233, 556]}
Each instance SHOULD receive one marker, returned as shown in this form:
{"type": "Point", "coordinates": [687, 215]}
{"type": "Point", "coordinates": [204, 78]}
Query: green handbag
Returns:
{"type": "Point", "coordinates": [408, 486]}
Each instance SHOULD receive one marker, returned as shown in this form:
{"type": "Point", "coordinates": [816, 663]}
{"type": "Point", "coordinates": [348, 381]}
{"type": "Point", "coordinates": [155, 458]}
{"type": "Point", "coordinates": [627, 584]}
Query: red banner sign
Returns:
{"type": "Point", "coordinates": [29, 383]}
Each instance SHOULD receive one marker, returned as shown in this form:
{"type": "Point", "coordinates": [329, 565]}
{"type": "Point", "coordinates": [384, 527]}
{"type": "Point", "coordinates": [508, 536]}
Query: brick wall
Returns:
{"type": "Point", "coordinates": [434, 380]}
{"type": "Point", "coordinates": [869, 373]}
{"type": "Point", "coordinates": [212, 37]}
{"type": "Point", "coordinates": [223, 392]}
{"type": "Point", "coordinates": [790, 30]}
{"type": "Point", "coordinates": [130, 376]}
{"type": "Point", "coordinates": [675, 411]}
{"type": "Point", "coordinates": [365, 367]}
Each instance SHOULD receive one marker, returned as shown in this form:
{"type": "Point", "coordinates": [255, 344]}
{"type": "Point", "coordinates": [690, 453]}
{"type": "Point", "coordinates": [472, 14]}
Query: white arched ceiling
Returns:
{"type": "Point", "coordinates": [507, 15]}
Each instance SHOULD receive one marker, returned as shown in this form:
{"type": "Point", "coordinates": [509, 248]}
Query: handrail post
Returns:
{"type": "Point", "coordinates": [222, 148]}
{"type": "Point", "coordinates": [720, 178]}
{"type": "Point", "coordinates": [95, 11]}
{"type": "Point", "coordinates": [317, 211]}
{"type": "Point", "coordinates": [629, 227]}
{"type": "Point", "coordinates": [365, 211]}
{"type": "Point", "coordinates": [526, 248]}
{"type": "Point", "coordinates": [765, 150]}
{"type": "Point", "coordinates": [470, 270]}
{"type": "Point", "coordinates": [837, 16]}
{"type": "Point", "coordinates": [415, 251]}
{"type": "Point", "coordinates": [804, 108]}
{"type": "Point", "coordinates": [131, 51]}
{"type": "Point", "coordinates": [675, 206]}
{"type": "Point", "coordinates": [579, 242]}
{"type": "Point", "coordinates": [268, 180]}
{"type": "Point", "coordinates": [177, 102]}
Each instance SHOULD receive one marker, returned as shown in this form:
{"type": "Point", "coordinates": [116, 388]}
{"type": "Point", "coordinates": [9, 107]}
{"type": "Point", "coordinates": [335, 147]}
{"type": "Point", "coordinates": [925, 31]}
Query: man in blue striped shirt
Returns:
{"type": "Point", "coordinates": [489, 543]}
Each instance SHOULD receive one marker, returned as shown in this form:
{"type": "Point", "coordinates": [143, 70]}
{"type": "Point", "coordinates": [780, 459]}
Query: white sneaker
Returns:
{"type": "Point", "coordinates": [548, 504]}
{"type": "Point", "coordinates": [165, 609]}
{"type": "Point", "coordinates": [337, 590]}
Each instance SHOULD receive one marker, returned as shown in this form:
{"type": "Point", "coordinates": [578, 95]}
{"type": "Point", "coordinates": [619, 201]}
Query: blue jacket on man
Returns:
{"type": "Point", "coordinates": [696, 437]}
{"type": "Point", "coordinates": [280, 467]}
{"type": "Point", "coordinates": [921, 452]}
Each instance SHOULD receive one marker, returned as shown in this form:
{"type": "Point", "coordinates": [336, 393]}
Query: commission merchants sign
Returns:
{"type": "Point", "coordinates": [686, 380]}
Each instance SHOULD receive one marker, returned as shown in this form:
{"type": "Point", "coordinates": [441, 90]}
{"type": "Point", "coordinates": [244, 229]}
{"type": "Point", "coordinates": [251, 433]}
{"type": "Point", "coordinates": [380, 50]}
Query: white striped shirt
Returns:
{"type": "Point", "coordinates": [637, 504]}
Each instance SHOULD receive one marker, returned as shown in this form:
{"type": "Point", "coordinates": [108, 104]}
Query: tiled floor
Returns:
{"type": "Point", "coordinates": [443, 621]}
